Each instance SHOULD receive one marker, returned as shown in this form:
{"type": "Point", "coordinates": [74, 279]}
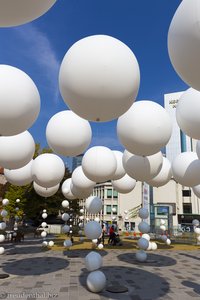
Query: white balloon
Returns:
{"type": "Point", "coordinates": [149, 248]}
{"type": "Point", "coordinates": [99, 164]}
{"type": "Point", "coordinates": [45, 192]}
{"type": "Point", "coordinates": [44, 210]}
{"type": "Point", "coordinates": [93, 261]}
{"type": "Point", "coordinates": [2, 225]}
{"type": "Point", "coordinates": [81, 193]}
{"type": "Point", "coordinates": [143, 213]}
{"type": "Point", "coordinates": [44, 224]}
{"type": "Point", "coordinates": [51, 243]}
{"type": "Point", "coordinates": [44, 244]}
{"type": "Point", "coordinates": [96, 281]}
{"type": "Point", "coordinates": [80, 180]}
{"type": "Point", "coordinates": [4, 213]}
{"type": "Point", "coordinates": [81, 218]}
{"type": "Point", "coordinates": [70, 225]}
{"type": "Point", "coordinates": [65, 203]}
{"type": "Point", "coordinates": [163, 176]}
{"type": "Point", "coordinates": [124, 185]}
{"type": "Point", "coordinates": [168, 242]}
{"type": "Point", "coordinates": [97, 219]}
{"type": "Point", "coordinates": [21, 176]}
{"type": "Point", "coordinates": [65, 229]}
{"type": "Point", "coordinates": [65, 217]}
{"type": "Point", "coordinates": [80, 232]}
{"type": "Point", "coordinates": [2, 238]}
{"type": "Point", "coordinates": [48, 170]}
{"type": "Point", "coordinates": [197, 230]}
{"type": "Point", "coordinates": [120, 172]}
{"type": "Point", "coordinates": [183, 42]}
{"type": "Point", "coordinates": [163, 238]}
{"type": "Point", "coordinates": [18, 12]}
{"type": "Point", "coordinates": [143, 168]}
{"type": "Point", "coordinates": [145, 128]}
{"type": "Point", "coordinates": [195, 222]}
{"type": "Point", "coordinates": [163, 227]}
{"type": "Point", "coordinates": [11, 155]}
{"type": "Point", "coordinates": [94, 241]}
{"type": "Point", "coordinates": [66, 189]}
{"type": "Point", "coordinates": [17, 200]}
{"type": "Point", "coordinates": [126, 211]}
{"type": "Point", "coordinates": [141, 256]}
{"type": "Point", "coordinates": [5, 201]}
{"type": "Point", "coordinates": [146, 236]}
{"type": "Point", "coordinates": [44, 215]}
{"type": "Point", "coordinates": [92, 230]}
{"type": "Point", "coordinates": [99, 78]}
{"type": "Point", "coordinates": [196, 190]}
{"type": "Point", "coordinates": [2, 250]}
{"type": "Point", "coordinates": [82, 211]}
{"type": "Point", "coordinates": [67, 134]}
{"type": "Point", "coordinates": [93, 205]}
{"type": "Point", "coordinates": [81, 225]}
{"type": "Point", "coordinates": [17, 208]}
{"type": "Point", "coordinates": [43, 234]}
{"type": "Point", "coordinates": [162, 222]}
{"type": "Point", "coordinates": [187, 113]}
{"type": "Point", "coordinates": [143, 243]}
{"type": "Point", "coordinates": [154, 246]}
{"type": "Point", "coordinates": [19, 99]}
{"type": "Point", "coordinates": [100, 246]}
{"type": "Point", "coordinates": [81, 239]}
{"type": "Point", "coordinates": [186, 169]}
{"type": "Point", "coordinates": [144, 227]}
{"type": "Point", "coordinates": [67, 243]}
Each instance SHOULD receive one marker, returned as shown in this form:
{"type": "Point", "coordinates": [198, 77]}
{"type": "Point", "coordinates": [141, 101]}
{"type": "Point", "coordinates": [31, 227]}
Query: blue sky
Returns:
{"type": "Point", "coordinates": [39, 47]}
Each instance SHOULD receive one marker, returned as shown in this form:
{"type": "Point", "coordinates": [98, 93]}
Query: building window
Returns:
{"type": "Point", "coordinates": [187, 208]}
{"type": "Point", "coordinates": [186, 193]}
{"type": "Point", "coordinates": [108, 209]}
{"type": "Point", "coordinates": [115, 210]}
{"type": "Point", "coordinates": [162, 210]}
{"type": "Point", "coordinates": [132, 225]}
{"type": "Point", "coordinates": [115, 194]}
{"type": "Point", "coordinates": [109, 193]}
{"type": "Point", "coordinates": [126, 225]}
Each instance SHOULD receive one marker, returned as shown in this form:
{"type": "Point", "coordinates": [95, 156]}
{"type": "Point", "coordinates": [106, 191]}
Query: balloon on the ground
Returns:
{"type": "Point", "coordinates": [19, 99]}
{"type": "Point", "coordinates": [93, 261]}
{"type": "Point", "coordinates": [92, 230]}
{"type": "Point", "coordinates": [67, 134]}
{"type": "Point", "coordinates": [93, 205]}
{"type": "Point", "coordinates": [100, 246]}
{"type": "Point", "coordinates": [124, 185]}
{"type": "Point", "coordinates": [51, 243]}
{"type": "Point", "coordinates": [99, 164]}
{"type": "Point", "coordinates": [143, 243]}
{"type": "Point", "coordinates": [183, 42]}
{"type": "Point", "coordinates": [143, 213]}
{"type": "Point", "coordinates": [143, 168]}
{"type": "Point", "coordinates": [145, 128]}
{"type": "Point", "coordinates": [2, 250]}
{"type": "Point", "coordinates": [5, 201]}
{"type": "Point", "coordinates": [21, 176]}
{"type": "Point", "coordinates": [144, 227]}
{"type": "Point", "coordinates": [186, 169]}
{"type": "Point", "coordinates": [11, 155]}
{"type": "Point", "coordinates": [44, 244]}
{"type": "Point", "coordinates": [154, 246]}
{"type": "Point", "coordinates": [66, 189]}
{"type": "Point", "coordinates": [163, 176]}
{"type": "Point", "coordinates": [65, 203]}
{"type": "Point", "coordinates": [18, 12]}
{"type": "Point", "coordinates": [99, 78]}
{"type": "Point", "coordinates": [45, 192]}
{"type": "Point", "coordinates": [149, 248]}
{"type": "Point", "coordinates": [96, 281]}
{"type": "Point", "coordinates": [120, 172]}
{"type": "Point", "coordinates": [168, 242]}
{"type": "Point", "coordinates": [48, 170]}
{"type": "Point", "coordinates": [141, 256]}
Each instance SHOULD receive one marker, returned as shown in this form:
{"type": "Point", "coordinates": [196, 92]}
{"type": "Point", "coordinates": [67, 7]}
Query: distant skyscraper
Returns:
{"type": "Point", "coordinates": [179, 142]}
{"type": "Point", "coordinates": [77, 161]}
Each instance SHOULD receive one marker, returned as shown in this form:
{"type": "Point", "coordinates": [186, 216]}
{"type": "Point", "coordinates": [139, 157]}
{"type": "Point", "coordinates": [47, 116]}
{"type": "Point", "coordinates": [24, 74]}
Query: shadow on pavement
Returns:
{"type": "Point", "coordinates": [82, 253]}
{"type": "Point", "coordinates": [189, 255]}
{"type": "Point", "coordinates": [192, 285]}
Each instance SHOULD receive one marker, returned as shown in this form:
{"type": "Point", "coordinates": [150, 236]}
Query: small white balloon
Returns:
{"type": "Point", "coordinates": [81, 225]}
{"type": "Point", "coordinates": [93, 261]}
{"type": "Point", "coordinates": [43, 234]}
{"type": "Point", "coordinates": [44, 224]}
{"type": "Point", "coordinates": [96, 281]}
{"type": "Point", "coordinates": [126, 211]}
{"type": "Point", "coordinates": [17, 208]}
{"type": "Point", "coordinates": [65, 203]}
{"type": "Point", "coordinates": [4, 213]}
{"type": "Point", "coordinates": [113, 218]}
{"type": "Point", "coordinates": [67, 134]}
{"type": "Point", "coordinates": [92, 230]}
{"type": "Point", "coordinates": [163, 238]}
{"type": "Point", "coordinates": [154, 246]}
{"type": "Point", "coordinates": [97, 219]}
{"type": "Point", "coordinates": [80, 232]}
{"type": "Point", "coordinates": [197, 230]}
{"type": "Point", "coordinates": [51, 243]}
{"type": "Point", "coordinates": [163, 227]}
{"type": "Point", "coordinates": [124, 185]}
{"type": "Point", "coordinates": [81, 211]}
{"type": "Point", "coordinates": [168, 242]}
{"type": "Point", "coordinates": [162, 222]}
{"type": "Point", "coordinates": [120, 172]}
{"type": "Point", "coordinates": [2, 225]}
{"type": "Point", "coordinates": [143, 213]}
{"type": "Point", "coordinates": [11, 155]}
{"type": "Point", "coordinates": [81, 218]}
{"type": "Point", "coordinates": [146, 236]}
{"type": "Point", "coordinates": [81, 239]}
{"type": "Point", "coordinates": [48, 170]}
{"type": "Point", "coordinates": [70, 226]}
{"type": "Point", "coordinates": [65, 229]}
{"type": "Point", "coordinates": [65, 217]}
{"type": "Point", "coordinates": [195, 222]}
{"type": "Point", "coordinates": [44, 215]}
{"type": "Point", "coordinates": [99, 164]}
{"type": "Point", "coordinates": [93, 205]}
{"type": "Point", "coordinates": [2, 250]}
{"type": "Point", "coordinates": [44, 191]}
{"type": "Point", "coordinates": [17, 200]}
{"type": "Point", "coordinates": [95, 241]}
{"type": "Point", "coordinates": [2, 238]}
{"type": "Point", "coordinates": [21, 176]}
{"type": "Point", "coordinates": [5, 202]}
{"type": "Point", "coordinates": [141, 256]}
{"type": "Point", "coordinates": [143, 243]}
{"type": "Point", "coordinates": [186, 169]}
{"type": "Point", "coordinates": [44, 244]}
{"type": "Point", "coordinates": [67, 243]}
{"type": "Point", "coordinates": [144, 227]}
{"type": "Point", "coordinates": [100, 246]}
{"type": "Point", "coordinates": [44, 210]}
{"type": "Point", "coordinates": [66, 189]}
{"type": "Point", "coordinates": [145, 128]}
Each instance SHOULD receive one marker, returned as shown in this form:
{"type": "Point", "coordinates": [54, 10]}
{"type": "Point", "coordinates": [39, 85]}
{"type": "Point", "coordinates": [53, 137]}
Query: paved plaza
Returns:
{"type": "Point", "coordinates": [38, 274]}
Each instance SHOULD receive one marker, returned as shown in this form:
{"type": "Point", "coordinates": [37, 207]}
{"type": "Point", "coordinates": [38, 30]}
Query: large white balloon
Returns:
{"type": "Point", "coordinates": [143, 168]}
{"type": "Point", "coordinates": [45, 192]}
{"type": "Point", "coordinates": [99, 164]}
{"type": "Point", "coordinates": [187, 113]}
{"type": "Point", "coordinates": [92, 230]}
{"type": "Point", "coordinates": [96, 281]}
{"type": "Point", "coordinates": [14, 13]}
{"type": "Point", "coordinates": [99, 78]}
{"type": "Point", "coordinates": [48, 170]}
{"type": "Point", "coordinates": [163, 176]}
{"type": "Point", "coordinates": [186, 169]}
{"type": "Point", "coordinates": [183, 42]}
{"type": "Point", "coordinates": [80, 180]}
{"type": "Point", "coordinates": [11, 154]}
{"type": "Point", "coordinates": [196, 190]}
{"type": "Point", "coordinates": [21, 176]}
{"type": "Point", "coordinates": [93, 261]}
{"type": "Point", "coordinates": [145, 128]}
{"type": "Point", "coordinates": [81, 193]}
{"type": "Point", "coordinates": [120, 172]}
{"type": "Point", "coordinates": [124, 185]}
{"type": "Point", "coordinates": [19, 99]}
{"type": "Point", "coordinates": [93, 205]}
{"type": "Point", "coordinates": [66, 189]}
{"type": "Point", "coordinates": [67, 134]}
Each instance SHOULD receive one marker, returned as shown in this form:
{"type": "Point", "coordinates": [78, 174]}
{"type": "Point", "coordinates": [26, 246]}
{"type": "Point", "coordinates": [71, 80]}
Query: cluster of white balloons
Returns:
{"type": "Point", "coordinates": [3, 224]}
{"type": "Point", "coordinates": [163, 236]}
{"type": "Point", "coordinates": [195, 223]}
{"type": "Point", "coordinates": [44, 225]}
{"type": "Point", "coordinates": [143, 242]}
